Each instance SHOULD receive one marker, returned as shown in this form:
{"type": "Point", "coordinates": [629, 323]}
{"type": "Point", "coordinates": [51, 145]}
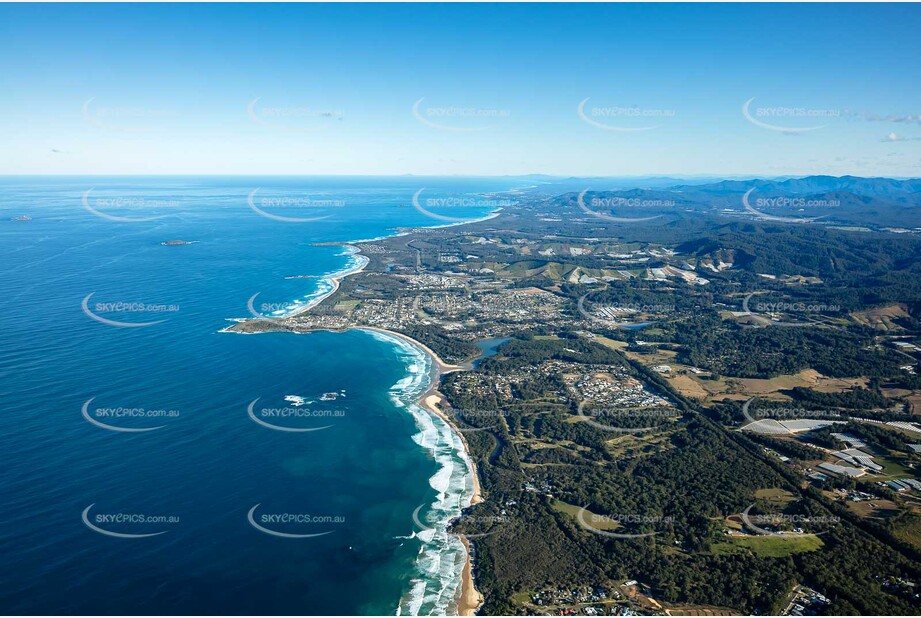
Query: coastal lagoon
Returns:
{"type": "Point", "coordinates": [136, 478]}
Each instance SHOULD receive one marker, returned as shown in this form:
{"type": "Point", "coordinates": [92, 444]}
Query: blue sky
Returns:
{"type": "Point", "coordinates": [331, 89]}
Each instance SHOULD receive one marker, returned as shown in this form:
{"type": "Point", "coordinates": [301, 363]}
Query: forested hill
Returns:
{"type": "Point", "coordinates": [847, 200]}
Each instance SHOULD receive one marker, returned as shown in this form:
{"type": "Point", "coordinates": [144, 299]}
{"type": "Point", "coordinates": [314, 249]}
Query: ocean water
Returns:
{"type": "Point", "coordinates": [153, 464]}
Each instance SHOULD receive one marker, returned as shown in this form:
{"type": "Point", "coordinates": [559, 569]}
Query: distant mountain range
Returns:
{"type": "Point", "coordinates": [820, 200]}
{"type": "Point", "coordinates": [872, 187]}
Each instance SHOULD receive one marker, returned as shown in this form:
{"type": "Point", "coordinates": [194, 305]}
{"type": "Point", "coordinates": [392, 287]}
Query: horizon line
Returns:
{"type": "Point", "coordinates": [530, 174]}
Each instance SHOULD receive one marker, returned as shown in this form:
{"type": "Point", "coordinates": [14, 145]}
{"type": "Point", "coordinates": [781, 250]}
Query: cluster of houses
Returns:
{"type": "Point", "coordinates": [607, 385]}
{"type": "Point", "coordinates": [583, 595]}
{"type": "Point", "coordinates": [806, 602]}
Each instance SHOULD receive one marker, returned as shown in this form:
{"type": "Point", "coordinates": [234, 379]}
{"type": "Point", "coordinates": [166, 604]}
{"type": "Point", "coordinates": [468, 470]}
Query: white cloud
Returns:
{"type": "Point", "coordinates": [894, 137]}
{"type": "Point", "coordinates": [897, 118]}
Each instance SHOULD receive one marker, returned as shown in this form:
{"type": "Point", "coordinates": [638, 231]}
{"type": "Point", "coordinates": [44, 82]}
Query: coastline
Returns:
{"type": "Point", "coordinates": [430, 401]}
{"type": "Point", "coordinates": [333, 279]}
{"type": "Point", "coordinates": [468, 600]}
{"type": "Point", "coordinates": [441, 366]}
{"type": "Point", "coordinates": [406, 231]}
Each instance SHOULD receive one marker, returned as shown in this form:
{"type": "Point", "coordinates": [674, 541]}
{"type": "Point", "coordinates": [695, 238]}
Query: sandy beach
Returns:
{"type": "Point", "coordinates": [442, 366]}
{"type": "Point", "coordinates": [334, 279]}
{"type": "Point", "coordinates": [469, 598]}
{"type": "Point", "coordinates": [430, 402]}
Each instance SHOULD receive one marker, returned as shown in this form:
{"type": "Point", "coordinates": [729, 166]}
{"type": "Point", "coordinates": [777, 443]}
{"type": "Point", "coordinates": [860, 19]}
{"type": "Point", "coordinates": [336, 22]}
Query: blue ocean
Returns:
{"type": "Point", "coordinates": [153, 464]}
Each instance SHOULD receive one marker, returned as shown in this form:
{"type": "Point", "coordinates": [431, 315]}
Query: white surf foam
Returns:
{"type": "Point", "coordinates": [326, 284]}
{"type": "Point", "coordinates": [440, 562]}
